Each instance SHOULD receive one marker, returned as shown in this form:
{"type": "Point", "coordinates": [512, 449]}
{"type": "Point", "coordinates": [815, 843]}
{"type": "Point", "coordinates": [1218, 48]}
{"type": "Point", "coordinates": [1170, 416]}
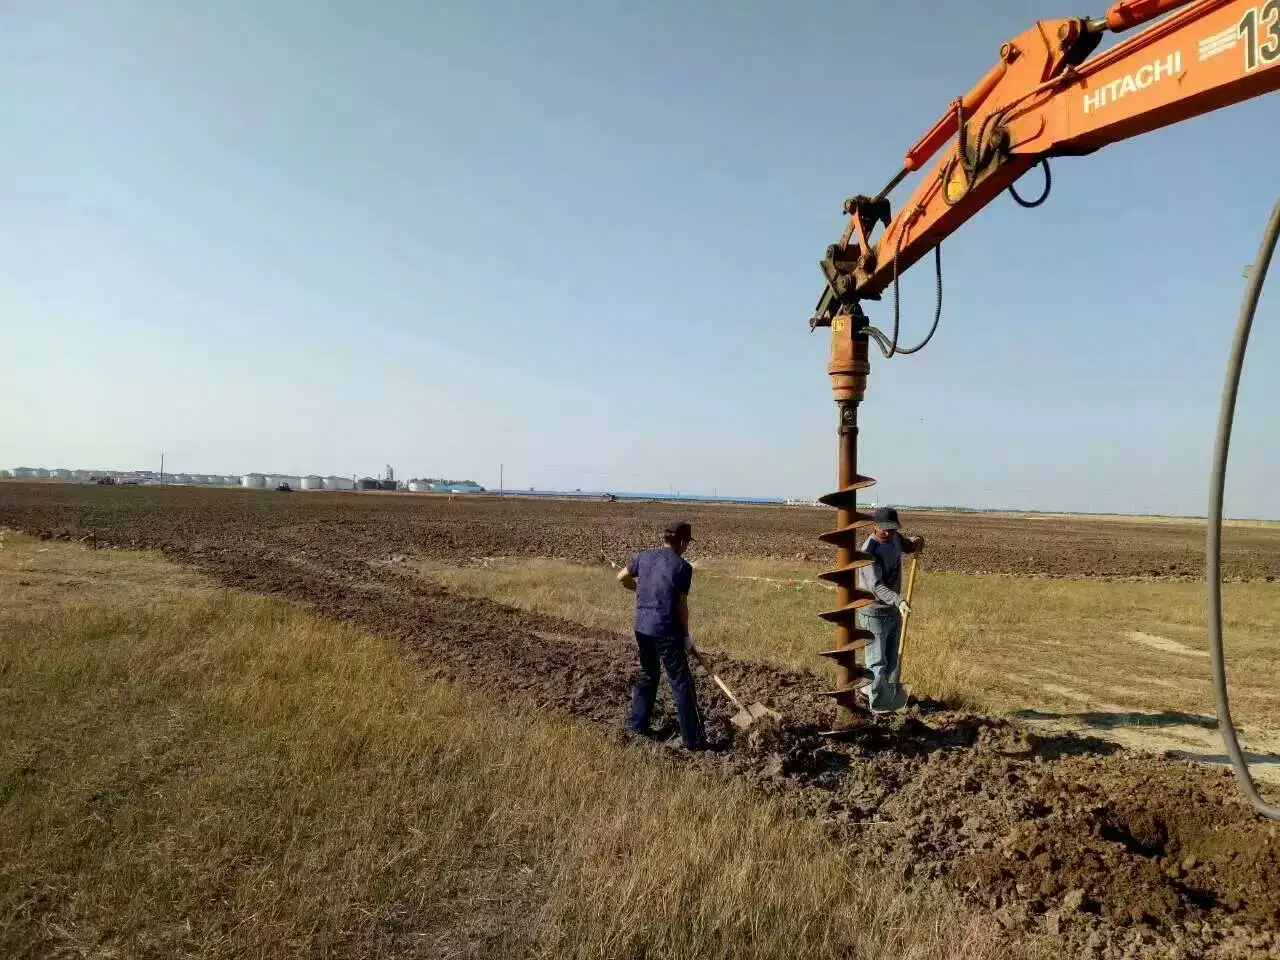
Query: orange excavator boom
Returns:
{"type": "Point", "coordinates": [1047, 96]}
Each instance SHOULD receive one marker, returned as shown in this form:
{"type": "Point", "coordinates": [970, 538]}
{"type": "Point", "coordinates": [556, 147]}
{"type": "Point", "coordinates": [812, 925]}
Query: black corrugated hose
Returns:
{"type": "Point", "coordinates": [1213, 545]}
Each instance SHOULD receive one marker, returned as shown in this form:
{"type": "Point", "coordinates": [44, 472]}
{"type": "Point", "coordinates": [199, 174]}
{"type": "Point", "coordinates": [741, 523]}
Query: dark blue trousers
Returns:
{"type": "Point", "coordinates": [657, 653]}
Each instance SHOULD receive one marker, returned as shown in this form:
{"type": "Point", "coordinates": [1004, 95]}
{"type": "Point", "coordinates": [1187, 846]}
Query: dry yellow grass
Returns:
{"type": "Point", "coordinates": [999, 642]}
{"type": "Point", "coordinates": [752, 609]}
{"type": "Point", "coordinates": [192, 772]}
{"type": "Point", "coordinates": [1074, 645]}
{"type": "Point", "coordinates": [1242, 523]}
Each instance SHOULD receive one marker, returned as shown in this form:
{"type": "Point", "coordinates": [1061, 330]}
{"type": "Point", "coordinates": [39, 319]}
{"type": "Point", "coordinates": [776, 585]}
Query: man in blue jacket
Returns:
{"type": "Point", "coordinates": [883, 617]}
{"type": "Point", "coordinates": [661, 579]}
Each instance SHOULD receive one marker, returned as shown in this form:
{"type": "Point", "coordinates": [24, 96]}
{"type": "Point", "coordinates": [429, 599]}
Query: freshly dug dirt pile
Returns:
{"type": "Point", "coordinates": [1109, 854]}
{"type": "Point", "coordinates": [1118, 855]}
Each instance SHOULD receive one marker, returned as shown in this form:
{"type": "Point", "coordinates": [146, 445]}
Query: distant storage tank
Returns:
{"type": "Point", "coordinates": [457, 488]}
{"type": "Point", "coordinates": [62, 474]}
{"type": "Point", "coordinates": [338, 483]}
{"type": "Point", "coordinates": [368, 483]}
{"type": "Point", "coordinates": [419, 486]}
{"type": "Point", "coordinates": [255, 480]}
{"type": "Point", "coordinates": [312, 483]}
{"type": "Point", "coordinates": [40, 473]}
{"type": "Point", "coordinates": [388, 485]}
{"type": "Point", "coordinates": [24, 473]}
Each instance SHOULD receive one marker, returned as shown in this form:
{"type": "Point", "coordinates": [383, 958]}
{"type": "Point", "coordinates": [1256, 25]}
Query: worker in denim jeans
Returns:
{"type": "Point", "coordinates": [883, 616]}
{"type": "Point", "coordinates": [661, 579]}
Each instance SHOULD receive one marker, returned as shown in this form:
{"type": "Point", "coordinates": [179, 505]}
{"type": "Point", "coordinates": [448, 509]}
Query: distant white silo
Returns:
{"type": "Point", "coordinates": [61, 474]}
{"type": "Point", "coordinates": [312, 482]}
{"type": "Point", "coordinates": [40, 473]}
{"type": "Point", "coordinates": [419, 486]}
{"type": "Point", "coordinates": [338, 483]}
{"type": "Point", "coordinates": [254, 480]}
{"type": "Point", "coordinates": [293, 482]}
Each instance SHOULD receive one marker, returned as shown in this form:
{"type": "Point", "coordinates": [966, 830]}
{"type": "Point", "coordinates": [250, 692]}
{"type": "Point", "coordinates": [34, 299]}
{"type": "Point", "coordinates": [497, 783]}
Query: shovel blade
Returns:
{"type": "Point", "coordinates": [753, 713]}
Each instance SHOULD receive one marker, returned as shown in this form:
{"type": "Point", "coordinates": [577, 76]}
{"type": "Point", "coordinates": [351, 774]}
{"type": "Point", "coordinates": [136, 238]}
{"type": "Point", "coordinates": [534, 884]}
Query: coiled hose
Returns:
{"type": "Point", "coordinates": [1213, 545]}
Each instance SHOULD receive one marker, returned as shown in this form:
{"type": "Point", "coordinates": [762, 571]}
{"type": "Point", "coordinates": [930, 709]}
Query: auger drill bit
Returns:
{"type": "Point", "coordinates": [848, 366]}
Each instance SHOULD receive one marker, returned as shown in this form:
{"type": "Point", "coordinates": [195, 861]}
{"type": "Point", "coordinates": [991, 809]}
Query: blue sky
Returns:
{"type": "Point", "coordinates": [580, 239]}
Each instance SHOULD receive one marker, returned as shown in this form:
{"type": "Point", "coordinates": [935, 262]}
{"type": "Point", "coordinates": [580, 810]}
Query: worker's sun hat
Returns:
{"type": "Point", "coordinates": [678, 531]}
{"type": "Point", "coordinates": [887, 518]}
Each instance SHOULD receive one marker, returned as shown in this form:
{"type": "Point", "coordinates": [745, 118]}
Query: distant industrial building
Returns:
{"type": "Point", "coordinates": [252, 481]}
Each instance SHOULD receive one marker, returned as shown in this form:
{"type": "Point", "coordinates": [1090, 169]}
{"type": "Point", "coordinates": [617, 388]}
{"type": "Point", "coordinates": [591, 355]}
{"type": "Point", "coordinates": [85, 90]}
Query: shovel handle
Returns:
{"type": "Point", "coordinates": [720, 683]}
{"type": "Point", "coordinates": [902, 636]}
{"type": "Point", "coordinates": [728, 693]}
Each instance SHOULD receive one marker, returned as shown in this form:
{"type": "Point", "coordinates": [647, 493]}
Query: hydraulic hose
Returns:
{"type": "Point", "coordinates": [1213, 545]}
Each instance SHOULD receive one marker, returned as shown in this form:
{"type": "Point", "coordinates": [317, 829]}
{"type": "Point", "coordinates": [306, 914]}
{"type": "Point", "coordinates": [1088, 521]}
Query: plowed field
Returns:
{"type": "Point", "coordinates": [1110, 853]}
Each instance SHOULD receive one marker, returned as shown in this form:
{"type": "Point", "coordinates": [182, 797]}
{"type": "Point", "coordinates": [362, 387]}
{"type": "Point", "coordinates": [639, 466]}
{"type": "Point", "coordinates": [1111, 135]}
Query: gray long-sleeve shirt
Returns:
{"type": "Point", "coordinates": [883, 578]}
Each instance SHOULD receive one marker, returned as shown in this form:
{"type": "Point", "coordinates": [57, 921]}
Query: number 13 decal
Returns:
{"type": "Point", "coordinates": [1261, 32]}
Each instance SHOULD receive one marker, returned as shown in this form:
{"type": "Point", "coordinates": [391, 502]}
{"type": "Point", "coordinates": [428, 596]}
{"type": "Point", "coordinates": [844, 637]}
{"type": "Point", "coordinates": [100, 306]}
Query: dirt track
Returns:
{"type": "Point", "coordinates": [1114, 854]}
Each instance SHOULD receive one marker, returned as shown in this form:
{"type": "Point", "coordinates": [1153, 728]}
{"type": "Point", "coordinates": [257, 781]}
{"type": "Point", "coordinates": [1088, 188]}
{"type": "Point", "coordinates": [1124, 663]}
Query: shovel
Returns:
{"type": "Point", "coordinates": [745, 716]}
{"type": "Point", "coordinates": [902, 634]}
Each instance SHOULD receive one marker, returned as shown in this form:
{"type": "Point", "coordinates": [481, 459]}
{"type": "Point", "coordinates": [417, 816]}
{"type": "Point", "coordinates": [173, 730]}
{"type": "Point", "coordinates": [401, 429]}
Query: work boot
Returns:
{"type": "Point", "coordinates": [897, 703]}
